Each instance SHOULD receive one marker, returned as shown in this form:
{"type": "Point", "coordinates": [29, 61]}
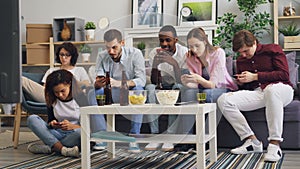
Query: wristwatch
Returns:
{"type": "Point", "coordinates": [186, 11]}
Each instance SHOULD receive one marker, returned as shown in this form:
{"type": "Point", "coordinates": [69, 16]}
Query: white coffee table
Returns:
{"type": "Point", "coordinates": [200, 138]}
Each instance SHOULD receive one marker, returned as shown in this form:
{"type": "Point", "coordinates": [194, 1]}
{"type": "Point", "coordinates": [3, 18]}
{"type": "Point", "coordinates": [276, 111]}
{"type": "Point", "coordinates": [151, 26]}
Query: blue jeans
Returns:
{"type": "Point", "coordinates": [189, 94]}
{"type": "Point", "coordinates": [152, 119]}
{"type": "Point", "coordinates": [68, 138]}
{"type": "Point", "coordinates": [136, 120]}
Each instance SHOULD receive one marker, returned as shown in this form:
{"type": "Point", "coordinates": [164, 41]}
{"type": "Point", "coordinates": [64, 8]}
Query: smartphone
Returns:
{"type": "Point", "coordinates": [58, 123]}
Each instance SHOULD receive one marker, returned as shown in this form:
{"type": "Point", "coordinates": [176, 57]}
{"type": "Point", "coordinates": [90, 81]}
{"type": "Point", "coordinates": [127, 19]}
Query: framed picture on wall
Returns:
{"type": "Point", "coordinates": [147, 13]}
{"type": "Point", "coordinates": [196, 12]}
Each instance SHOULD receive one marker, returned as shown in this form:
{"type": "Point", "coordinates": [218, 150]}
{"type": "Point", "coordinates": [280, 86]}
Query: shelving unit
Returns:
{"type": "Point", "coordinates": [278, 19]}
{"type": "Point", "coordinates": [52, 45]}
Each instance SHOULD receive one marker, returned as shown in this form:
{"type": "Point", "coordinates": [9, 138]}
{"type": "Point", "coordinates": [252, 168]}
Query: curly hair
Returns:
{"type": "Point", "coordinates": [68, 46]}
{"type": "Point", "coordinates": [59, 77]}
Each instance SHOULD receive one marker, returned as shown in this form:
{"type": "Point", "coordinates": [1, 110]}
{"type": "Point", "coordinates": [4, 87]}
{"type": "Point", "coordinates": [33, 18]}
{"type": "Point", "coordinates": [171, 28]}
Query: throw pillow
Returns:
{"type": "Point", "coordinates": [229, 65]}
{"type": "Point", "coordinates": [293, 68]}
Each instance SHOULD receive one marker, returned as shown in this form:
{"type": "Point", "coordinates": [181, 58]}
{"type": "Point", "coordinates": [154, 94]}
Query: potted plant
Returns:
{"type": "Point", "coordinates": [290, 33]}
{"type": "Point", "coordinates": [255, 22]}
{"type": "Point", "coordinates": [85, 51]}
{"type": "Point", "coordinates": [141, 46]}
{"type": "Point", "coordinates": [289, 30]}
{"type": "Point", "coordinates": [90, 31]}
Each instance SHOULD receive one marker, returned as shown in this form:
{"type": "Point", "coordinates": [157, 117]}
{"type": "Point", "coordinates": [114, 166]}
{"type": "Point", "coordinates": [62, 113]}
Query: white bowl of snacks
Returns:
{"type": "Point", "coordinates": [167, 97]}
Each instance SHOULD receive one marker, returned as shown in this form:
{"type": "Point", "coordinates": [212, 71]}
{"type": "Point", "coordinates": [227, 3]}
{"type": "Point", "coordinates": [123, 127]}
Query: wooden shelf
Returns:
{"type": "Point", "coordinates": [297, 49]}
{"type": "Point", "coordinates": [81, 42]}
{"type": "Point", "coordinates": [52, 45]}
{"type": "Point", "coordinates": [79, 64]}
{"type": "Point", "coordinates": [29, 65]}
{"type": "Point", "coordinates": [12, 115]}
{"type": "Point", "coordinates": [288, 17]}
{"type": "Point", "coordinates": [277, 4]}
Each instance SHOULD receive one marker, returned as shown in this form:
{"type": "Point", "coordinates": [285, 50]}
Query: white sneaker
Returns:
{"type": "Point", "coordinates": [248, 147]}
{"type": "Point", "coordinates": [70, 152]}
{"type": "Point", "coordinates": [39, 148]}
{"type": "Point", "coordinates": [100, 146]}
{"type": "Point", "coordinates": [273, 154]}
{"type": "Point", "coordinates": [167, 147]}
{"type": "Point", "coordinates": [134, 148]}
{"type": "Point", "coordinates": [152, 146]}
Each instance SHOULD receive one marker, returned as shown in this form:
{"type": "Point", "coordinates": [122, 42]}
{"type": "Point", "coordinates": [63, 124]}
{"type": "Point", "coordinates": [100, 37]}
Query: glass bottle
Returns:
{"type": "Point", "coordinates": [159, 81]}
{"type": "Point", "coordinates": [107, 90]}
{"type": "Point", "coordinates": [124, 91]}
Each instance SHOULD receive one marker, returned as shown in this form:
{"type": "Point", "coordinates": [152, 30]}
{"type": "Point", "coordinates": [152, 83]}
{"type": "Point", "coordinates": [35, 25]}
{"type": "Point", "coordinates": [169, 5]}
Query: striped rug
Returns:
{"type": "Point", "coordinates": [149, 159]}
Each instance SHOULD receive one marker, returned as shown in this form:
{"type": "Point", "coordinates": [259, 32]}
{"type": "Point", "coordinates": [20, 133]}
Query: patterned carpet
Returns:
{"type": "Point", "coordinates": [24, 138]}
{"type": "Point", "coordinates": [149, 159]}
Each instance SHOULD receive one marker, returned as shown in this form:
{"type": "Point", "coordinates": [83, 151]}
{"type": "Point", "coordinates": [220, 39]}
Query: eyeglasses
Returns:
{"type": "Point", "coordinates": [64, 54]}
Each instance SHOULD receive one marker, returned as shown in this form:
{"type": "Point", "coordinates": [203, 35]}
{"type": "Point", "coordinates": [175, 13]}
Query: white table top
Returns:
{"type": "Point", "coordinates": [149, 109]}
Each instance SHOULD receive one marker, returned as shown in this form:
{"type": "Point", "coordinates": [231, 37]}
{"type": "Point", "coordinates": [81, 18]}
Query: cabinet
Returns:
{"type": "Point", "coordinates": [51, 47]}
{"type": "Point", "coordinates": [279, 19]}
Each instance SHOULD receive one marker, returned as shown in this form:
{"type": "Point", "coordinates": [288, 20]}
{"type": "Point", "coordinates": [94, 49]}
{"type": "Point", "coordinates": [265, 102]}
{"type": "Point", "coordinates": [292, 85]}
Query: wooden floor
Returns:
{"type": "Point", "coordinates": [11, 156]}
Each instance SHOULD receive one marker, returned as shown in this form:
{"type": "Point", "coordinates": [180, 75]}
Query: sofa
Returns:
{"type": "Point", "coordinates": [227, 138]}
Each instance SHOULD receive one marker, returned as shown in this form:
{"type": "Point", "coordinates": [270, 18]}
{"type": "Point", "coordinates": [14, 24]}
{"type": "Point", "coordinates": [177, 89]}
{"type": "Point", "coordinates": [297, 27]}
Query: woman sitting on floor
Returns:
{"type": "Point", "coordinates": [62, 132]}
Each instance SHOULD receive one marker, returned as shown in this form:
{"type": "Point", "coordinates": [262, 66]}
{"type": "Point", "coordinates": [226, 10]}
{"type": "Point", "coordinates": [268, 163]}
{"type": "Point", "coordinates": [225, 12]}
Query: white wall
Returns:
{"type": "Point", "coordinates": [118, 11]}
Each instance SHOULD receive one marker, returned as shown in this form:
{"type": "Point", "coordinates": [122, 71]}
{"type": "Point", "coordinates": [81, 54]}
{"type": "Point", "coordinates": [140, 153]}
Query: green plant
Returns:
{"type": "Point", "coordinates": [84, 48]}
{"type": "Point", "coordinates": [255, 22]}
{"type": "Point", "coordinates": [141, 45]}
{"type": "Point", "coordinates": [289, 30]}
{"type": "Point", "coordinates": [89, 25]}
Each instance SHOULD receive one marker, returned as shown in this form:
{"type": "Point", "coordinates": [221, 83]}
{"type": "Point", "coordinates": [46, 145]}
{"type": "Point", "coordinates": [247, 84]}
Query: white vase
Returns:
{"type": "Point", "coordinates": [7, 108]}
{"type": "Point", "coordinates": [85, 57]}
{"type": "Point", "coordinates": [90, 34]}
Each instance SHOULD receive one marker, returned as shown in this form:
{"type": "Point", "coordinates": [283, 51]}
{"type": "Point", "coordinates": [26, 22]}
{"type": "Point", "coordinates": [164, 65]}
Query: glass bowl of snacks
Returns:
{"type": "Point", "coordinates": [137, 97]}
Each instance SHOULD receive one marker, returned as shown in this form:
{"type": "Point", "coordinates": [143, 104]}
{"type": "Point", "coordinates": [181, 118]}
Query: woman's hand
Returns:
{"type": "Point", "coordinates": [55, 124]}
{"type": "Point", "coordinates": [66, 125]}
{"type": "Point", "coordinates": [190, 80]}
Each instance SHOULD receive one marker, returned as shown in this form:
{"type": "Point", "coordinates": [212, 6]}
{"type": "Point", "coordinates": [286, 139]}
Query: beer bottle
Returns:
{"type": "Point", "coordinates": [159, 81]}
{"type": "Point", "coordinates": [107, 90]}
{"type": "Point", "coordinates": [124, 90]}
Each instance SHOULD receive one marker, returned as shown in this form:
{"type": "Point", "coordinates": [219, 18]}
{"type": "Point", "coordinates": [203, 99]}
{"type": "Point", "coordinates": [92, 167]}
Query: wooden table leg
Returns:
{"type": "Point", "coordinates": [17, 123]}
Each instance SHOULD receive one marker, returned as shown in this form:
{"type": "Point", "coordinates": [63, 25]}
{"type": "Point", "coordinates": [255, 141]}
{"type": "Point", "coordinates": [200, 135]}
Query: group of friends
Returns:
{"type": "Point", "coordinates": [261, 80]}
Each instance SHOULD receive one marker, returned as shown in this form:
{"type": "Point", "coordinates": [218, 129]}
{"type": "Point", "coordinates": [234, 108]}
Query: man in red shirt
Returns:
{"type": "Point", "coordinates": [263, 77]}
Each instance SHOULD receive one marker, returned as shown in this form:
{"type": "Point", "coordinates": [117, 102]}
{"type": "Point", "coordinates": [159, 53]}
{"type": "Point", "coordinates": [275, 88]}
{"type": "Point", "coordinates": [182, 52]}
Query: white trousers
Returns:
{"type": "Point", "coordinates": [274, 97]}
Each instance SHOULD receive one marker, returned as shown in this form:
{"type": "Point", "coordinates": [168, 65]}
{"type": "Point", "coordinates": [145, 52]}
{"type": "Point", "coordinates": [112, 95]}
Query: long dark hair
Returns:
{"type": "Point", "coordinates": [60, 77]}
{"type": "Point", "coordinates": [68, 46]}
